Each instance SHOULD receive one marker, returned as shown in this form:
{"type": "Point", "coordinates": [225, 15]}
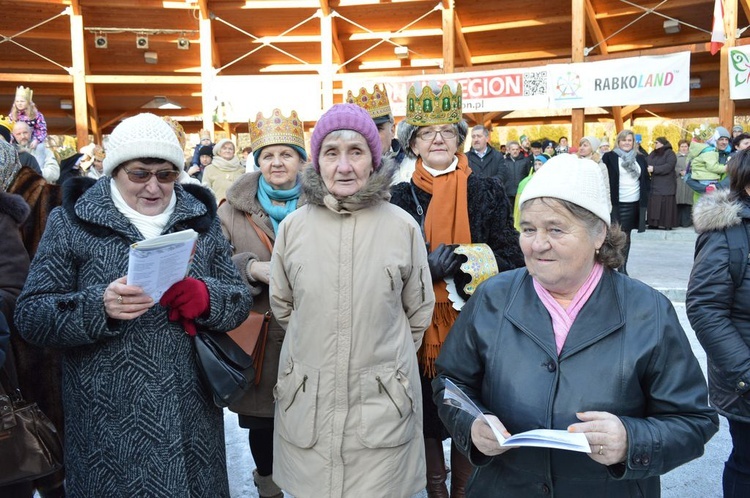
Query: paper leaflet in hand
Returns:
{"type": "Point", "coordinates": [545, 438]}
{"type": "Point", "coordinates": [156, 264]}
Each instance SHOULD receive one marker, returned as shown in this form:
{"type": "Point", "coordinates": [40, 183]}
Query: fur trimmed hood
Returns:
{"type": "Point", "coordinates": [377, 189]}
{"type": "Point", "coordinates": [715, 211]}
{"type": "Point", "coordinates": [14, 206]}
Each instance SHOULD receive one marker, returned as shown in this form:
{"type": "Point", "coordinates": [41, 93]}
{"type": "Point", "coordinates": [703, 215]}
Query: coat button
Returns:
{"type": "Point", "coordinates": [71, 305]}
{"type": "Point", "coordinates": [236, 298]}
{"type": "Point", "coordinates": [551, 367]}
{"type": "Point", "coordinates": [545, 489]}
{"type": "Point", "coordinates": [637, 459]}
{"type": "Point", "coordinates": [741, 384]}
{"type": "Point", "coordinates": [645, 460]}
{"type": "Point", "coordinates": [62, 306]}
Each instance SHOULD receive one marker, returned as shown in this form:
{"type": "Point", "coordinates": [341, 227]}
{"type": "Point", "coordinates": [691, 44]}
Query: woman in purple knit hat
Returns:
{"type": "Point", "coordinates": [351, 285]}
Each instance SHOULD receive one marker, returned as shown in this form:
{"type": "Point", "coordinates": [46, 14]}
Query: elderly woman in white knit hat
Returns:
{"type": "Point", "coordinates": [568, 343]}
{"type": "Point", "coordinates": [224, 170]}
{"type": "Point", "coordinates": [588, 148]}
{"type": "Point", "coordinates": [138, 421]}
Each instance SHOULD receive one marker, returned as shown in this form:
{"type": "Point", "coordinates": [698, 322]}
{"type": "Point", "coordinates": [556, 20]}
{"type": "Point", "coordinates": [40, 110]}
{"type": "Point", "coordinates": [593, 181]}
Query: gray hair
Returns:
{"type": "Point", "coordinates": [407, 135]}
{"type": "Point", "coordinates": [482, 129]}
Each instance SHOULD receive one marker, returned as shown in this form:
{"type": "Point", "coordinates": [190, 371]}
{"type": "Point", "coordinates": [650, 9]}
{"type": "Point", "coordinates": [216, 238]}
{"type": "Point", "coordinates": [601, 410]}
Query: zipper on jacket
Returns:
{"type": "Point", "coordinates": [421, 279]}
{"type": "Point", "coordinates": [390, 276]}
{"type": "Point", "coordinates": [381, 388]}
{"type": "Point", "coordinates": [301, 386]}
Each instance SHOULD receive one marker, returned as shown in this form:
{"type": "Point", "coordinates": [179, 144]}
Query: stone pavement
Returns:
{"type": "Point", "coordinates": [663, 260]}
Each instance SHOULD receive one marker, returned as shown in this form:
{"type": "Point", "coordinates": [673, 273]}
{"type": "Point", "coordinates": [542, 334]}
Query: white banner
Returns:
{"type": "Point", "coordinates": [617, 82]}
{"type": "Point", "coordinates": [483, 91]}
{"type": "Point", "coordinates": [739, 73]}
{"type": "Point", "coordinates": [240, 98]}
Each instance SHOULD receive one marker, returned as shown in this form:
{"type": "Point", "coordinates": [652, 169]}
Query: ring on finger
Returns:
{"type": "Point", "coordinates": [119, 299]}
{"type": "Point", "coordinates": [601, 449]}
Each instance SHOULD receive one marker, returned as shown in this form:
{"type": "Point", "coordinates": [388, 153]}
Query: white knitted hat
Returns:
{"type": "Point", "coordinates": [144, 135]}
{"type": "Point", "coordinates": [570, 178]}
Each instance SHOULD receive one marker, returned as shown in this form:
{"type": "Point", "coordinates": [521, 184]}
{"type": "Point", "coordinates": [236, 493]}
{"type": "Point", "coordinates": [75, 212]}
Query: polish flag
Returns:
{"type": "Point", "coordinates": [718, 36]}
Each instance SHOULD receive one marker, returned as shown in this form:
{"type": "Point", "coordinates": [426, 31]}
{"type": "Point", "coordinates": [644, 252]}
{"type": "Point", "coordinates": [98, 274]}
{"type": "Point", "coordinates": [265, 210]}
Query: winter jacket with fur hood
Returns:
{"type": "Point", "coordinates": [350, 282]}
{"type": "Point", "coordinates": [14, 260]}
{"type": "Point", "coordinates": [718, 311]}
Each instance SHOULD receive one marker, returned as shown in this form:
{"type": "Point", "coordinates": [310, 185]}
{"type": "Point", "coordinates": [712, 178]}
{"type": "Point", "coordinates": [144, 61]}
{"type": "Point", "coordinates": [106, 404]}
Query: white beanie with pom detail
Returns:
{"type": "Point", "coordinates": [144, 135]}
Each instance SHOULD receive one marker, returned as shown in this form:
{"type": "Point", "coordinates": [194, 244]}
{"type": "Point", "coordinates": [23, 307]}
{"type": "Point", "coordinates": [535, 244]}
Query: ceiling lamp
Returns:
{"type": "Point", "coordinates": [402, 52]}
{"type": "Point", "coordinates": [100, 40]}
{"type": "Point", "coordinates": [161, 102]}
{"type": "Point", "coordinates": [671, 26]}
{"type": "Point", "coordinates": [151, 57]}
{"type": "Point", "coordinates": [183, 43]}
{"type": "Point", "coordinates": [141, 41]}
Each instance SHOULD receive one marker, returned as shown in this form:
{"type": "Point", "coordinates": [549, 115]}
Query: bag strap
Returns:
{"type": "Point", "coordinates": [739, 252]}
{"type": "Point", "coordinates": [261, 234]}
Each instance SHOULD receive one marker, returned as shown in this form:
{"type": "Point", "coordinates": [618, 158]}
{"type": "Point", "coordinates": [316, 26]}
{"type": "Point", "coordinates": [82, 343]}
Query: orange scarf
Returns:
{"type": "Point", "coordinates": [446, 222]}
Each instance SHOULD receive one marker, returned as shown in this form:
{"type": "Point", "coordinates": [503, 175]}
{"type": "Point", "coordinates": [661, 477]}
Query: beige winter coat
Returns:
{"type": "Point", "coordinates": [221, 174]}
{"type": "Point", "coordinates": [350, 283]}
{"type": "Point", "coordinates": [247, 246]}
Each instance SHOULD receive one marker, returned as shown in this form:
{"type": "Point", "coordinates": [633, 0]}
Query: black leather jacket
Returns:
{"type": "Point", "coordinates": [625, 354]}
{"type": "Point", "coordinates": [718, 311]}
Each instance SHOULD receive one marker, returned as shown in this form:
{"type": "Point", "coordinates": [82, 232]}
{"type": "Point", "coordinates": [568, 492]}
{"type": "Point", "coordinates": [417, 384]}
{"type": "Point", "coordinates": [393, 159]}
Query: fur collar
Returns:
{"type": "Point", "coordinates": [75, 188]}
{"type": "Point", "coordinates": [14, 206]}
{"type": "Point", "coordinates": [715, 211]}
{"type": "Point", "coordinates": [377, 189]}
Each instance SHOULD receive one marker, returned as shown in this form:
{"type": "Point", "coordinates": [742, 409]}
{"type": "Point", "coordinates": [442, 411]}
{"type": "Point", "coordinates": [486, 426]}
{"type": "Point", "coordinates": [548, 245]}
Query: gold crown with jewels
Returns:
{"type": "Point", "coordinates": [375, 103]}
{"type": "Point", "coordinates": [276, 129]}
{"type": "Point", "coordinates": [428, 109]}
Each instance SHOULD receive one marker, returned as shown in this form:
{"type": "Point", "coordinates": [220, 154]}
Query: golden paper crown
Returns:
{"type": "Point", "coordinates": [27, 93]}
{"type": "Point", "coordinates": [179, 131]}
{"type": "Point", "coordinates": [429, 109]}
{"type": "Point", "coordinates": [276, 129]}
{"type": "Point", "coordinates": [480, 265]}
{"type": "Point", "coordinates": [5, 122]}
{"type": "Point", "coordinates": [375, 103]}
{"type": "Point", "coordinates": [99, 153]}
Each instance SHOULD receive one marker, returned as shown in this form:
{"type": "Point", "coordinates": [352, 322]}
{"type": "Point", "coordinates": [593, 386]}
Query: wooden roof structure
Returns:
{"type": "Point", "coordinates": [85, 54]}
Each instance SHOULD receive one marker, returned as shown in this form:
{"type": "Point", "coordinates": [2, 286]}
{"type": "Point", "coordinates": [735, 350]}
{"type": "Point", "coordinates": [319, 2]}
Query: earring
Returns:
{"type": "Point", "coordinates": [596, 252]}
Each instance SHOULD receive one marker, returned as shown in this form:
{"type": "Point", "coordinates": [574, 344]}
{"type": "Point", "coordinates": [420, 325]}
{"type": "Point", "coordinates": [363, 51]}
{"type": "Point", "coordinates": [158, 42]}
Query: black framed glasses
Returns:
{"type": "Point", "coordinates": [447, 134]}
{"type": "Point", "coordinates": [144, 175]}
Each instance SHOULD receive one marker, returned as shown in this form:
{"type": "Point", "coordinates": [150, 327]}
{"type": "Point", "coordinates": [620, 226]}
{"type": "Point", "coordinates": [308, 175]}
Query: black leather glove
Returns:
{"type": "Point", "coordinates": [443, 262]}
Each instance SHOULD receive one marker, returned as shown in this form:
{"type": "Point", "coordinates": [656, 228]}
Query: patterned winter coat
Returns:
{"type": "Point", "coordinates": [138, 420]}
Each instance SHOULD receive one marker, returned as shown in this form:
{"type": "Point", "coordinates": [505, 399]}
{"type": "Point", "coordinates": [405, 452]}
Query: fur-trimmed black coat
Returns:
{"type": "Point", "coordinates": [490, 218]}
{"type": "Point", "coordinates": [138, 420]}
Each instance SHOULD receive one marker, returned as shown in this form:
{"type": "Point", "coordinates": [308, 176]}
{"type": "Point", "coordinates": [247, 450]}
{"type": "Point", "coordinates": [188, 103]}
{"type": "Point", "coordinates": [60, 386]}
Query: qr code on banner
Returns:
{"type": "Point", "coordinates": [535, 83]}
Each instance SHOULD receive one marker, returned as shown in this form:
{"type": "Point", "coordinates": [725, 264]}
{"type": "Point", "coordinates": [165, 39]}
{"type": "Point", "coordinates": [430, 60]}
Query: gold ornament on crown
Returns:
{"type": "Point", "coordinates": [375, 103]}
{"type": "Point", "coordinates": [428, 109]}
{"type": "Point", "coordinates": [276, 129]}
{"type": "Point", "coordinates": [6, 122]}
{"type": "Point", "coordinates": [25, 92]}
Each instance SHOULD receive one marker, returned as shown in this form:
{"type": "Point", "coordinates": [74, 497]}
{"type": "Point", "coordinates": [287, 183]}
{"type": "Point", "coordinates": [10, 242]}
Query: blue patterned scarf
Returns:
{"type": "Point", "coordinates": [267, 194]}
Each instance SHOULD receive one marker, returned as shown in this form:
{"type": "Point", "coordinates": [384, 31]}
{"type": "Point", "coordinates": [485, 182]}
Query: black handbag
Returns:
{"type": "Point", "coordinates": [30, 447]}
{"type": "Point", "coordinates": [224, 366]}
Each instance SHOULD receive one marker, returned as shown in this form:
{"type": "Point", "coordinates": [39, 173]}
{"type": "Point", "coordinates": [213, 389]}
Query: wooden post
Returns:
{"type": "Point", "coordinates": [78, 71]}
{"type": "Point", "coordinates": [726, 104]}
{"type": "Point", "coordinates": [326, 59]}
{"type": "Point", "coordinates": [207, 71]}
{"type": "Point", "coordinates": [449, 37]}
{"type": "Point", "coordinates": [578, 44]}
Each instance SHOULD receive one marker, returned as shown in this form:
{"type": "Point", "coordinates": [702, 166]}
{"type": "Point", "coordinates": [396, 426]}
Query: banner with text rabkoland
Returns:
{"type": "Point", "coordinates": [618, 82]}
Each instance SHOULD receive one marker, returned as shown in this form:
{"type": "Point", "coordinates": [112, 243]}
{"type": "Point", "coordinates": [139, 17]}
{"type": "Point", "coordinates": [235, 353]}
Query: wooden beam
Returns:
{"type": "Point", "coordinates": [36, 78]}
{"type": "Point", "coordinates": [142, 79]}
{"type": "Point", "coordinates": [594, 28]}
{"type": "Point", "coordinates": [746, 7]}
{"type": "Point", "coordinates": [207, 71]}
{"type": "Point", "coordinates": [577, 44]}
{"type": "Point", "coordinates": [449, 37]}
{"type": "Point", "coordinates": [206, 14]}
{"type": "Point", "coordinates": [338, 49]}
{"type": "Point", "coordinates": [463, 47]}
{"type": "Point", "coordinates": [726, 104]}
{"type": "Point", "coordinates": [325, 8]}
{"type": "Point", "coordinates": [326, 61]}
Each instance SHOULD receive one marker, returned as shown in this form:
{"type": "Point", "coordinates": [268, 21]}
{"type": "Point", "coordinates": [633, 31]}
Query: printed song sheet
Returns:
{"type": "Point", "coordinates": [546, 438]}
{"type": "Point", "coordinates": [156, 264]}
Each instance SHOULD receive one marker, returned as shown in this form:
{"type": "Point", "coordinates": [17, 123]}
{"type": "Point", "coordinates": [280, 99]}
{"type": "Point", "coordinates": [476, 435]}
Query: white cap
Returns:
{"type": "Point", "coordinates": [144, 135]}
{"type": "Point", "coordinates": [570, 178]}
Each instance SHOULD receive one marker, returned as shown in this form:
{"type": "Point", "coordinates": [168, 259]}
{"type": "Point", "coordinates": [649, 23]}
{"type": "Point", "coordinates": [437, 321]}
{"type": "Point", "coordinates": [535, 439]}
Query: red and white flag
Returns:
{"type": "Point", "coordinates": [718, 35]}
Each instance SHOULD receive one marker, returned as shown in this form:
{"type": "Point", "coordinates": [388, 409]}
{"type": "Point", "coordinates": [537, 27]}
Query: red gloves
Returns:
{"type": "Point", "coordinates": [186, 300]}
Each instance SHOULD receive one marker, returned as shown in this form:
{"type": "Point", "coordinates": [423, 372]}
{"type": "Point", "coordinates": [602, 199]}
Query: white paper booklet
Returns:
{"type": "Point", "coordinates": [157, 263]}
{"type": "Point", "coordinates": [545, 438]}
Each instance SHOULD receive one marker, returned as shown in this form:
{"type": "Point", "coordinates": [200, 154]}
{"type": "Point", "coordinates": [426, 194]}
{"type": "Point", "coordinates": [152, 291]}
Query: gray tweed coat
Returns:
{"type": "Point", "coordinates": [138, 421]}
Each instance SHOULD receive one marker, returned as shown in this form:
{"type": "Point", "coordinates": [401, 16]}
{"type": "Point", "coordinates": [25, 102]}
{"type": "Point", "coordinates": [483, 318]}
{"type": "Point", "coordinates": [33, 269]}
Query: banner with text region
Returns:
{"type": "Point", "coordinates": [619, 82]}
{"type": "Point", "coordinates": [739, 73]}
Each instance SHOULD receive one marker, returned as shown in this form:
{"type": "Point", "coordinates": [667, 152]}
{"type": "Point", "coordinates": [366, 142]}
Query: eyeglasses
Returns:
{"type": "Point", "coordinates": [143, 176]}
{"type": "Point", "coordinates": [427, 135]}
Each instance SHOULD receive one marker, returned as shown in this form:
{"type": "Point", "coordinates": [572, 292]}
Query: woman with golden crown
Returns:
{"type": "Point", "coordinates": [256, 203]}
{"type": "Point", "coordinates": [453, 207]}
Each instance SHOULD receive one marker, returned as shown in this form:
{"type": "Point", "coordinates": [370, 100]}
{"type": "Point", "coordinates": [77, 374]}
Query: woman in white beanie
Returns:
{"type": "Point", "coordinates": [138, 421]}
{"type": "Point", "coordinates": [588, 148]}
{"type": "Point", "coordinates": [223, 170]}
{"type": "Point", "coordinates": [568, 343]}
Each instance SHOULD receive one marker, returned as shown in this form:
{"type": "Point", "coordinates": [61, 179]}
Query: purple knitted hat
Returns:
{"type": "Point", "coordinates": [346, 117]}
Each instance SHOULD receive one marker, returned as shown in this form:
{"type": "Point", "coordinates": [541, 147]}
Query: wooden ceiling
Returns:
{"type": "Point", "coordinates": [257, 36]}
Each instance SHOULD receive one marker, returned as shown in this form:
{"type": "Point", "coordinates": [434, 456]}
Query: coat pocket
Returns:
{"type": "Point", "coordinates": [296, 394]}
{"type": "Point", "coordinates": [387, 405]}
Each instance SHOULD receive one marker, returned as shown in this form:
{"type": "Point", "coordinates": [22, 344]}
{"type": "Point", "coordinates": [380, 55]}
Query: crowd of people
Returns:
{"type": "Point", "coordinates": [390, 260]}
